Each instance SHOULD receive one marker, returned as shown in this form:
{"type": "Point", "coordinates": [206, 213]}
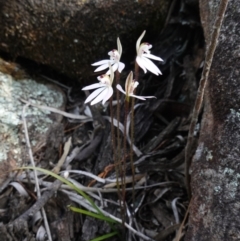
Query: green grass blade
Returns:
{"type": "Point", "coordinates": [91, 214]}
{"type": "Point", "coordinates": [100, 215]}
{"type": "Point", "coordinates": [105, 236]}
{"type": "Point", "coordinates": [47, 172]}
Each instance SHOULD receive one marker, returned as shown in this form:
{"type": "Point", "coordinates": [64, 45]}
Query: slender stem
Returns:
{"type": "Point", "coordinates": [132, 137]}
{"type": "Point", "coordinates": [136, 71]}
{"type": "Point", "coordinates": [117, 77]}
{"type": "Point", "coordinates": [114, 147]}
{"type": "Point", "coordinates": [199, 99]}
{"type": "Point", "coordinates": [112, 131]}
{"type": "Point", "coordinates": [126, 108]}
{"type": "Point", "coordinates": [131, 151]}
{"type": "Point", "coordinates": [117, 161]}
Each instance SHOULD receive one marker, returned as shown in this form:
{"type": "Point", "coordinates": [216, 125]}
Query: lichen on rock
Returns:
{"type": "Point", "coordinates": [38, 121]}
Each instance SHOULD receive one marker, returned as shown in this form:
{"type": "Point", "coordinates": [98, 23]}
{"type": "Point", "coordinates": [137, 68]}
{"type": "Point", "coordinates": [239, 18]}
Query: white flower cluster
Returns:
{"type": "Point", "coordinates": [104, 88]}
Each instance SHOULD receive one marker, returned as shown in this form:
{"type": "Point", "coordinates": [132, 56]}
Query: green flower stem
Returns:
{"type": "Point", "coordinates": [112, 131]}
{"type": "Point", "coordinates": [118, 161]}
{"type": "Point", "coordinates": [117, 165]}
{"type": "Point", "coordinates": [123, 173]}
{"type": "Point", "coordinates": [136, 71]}
{"type": "Point", "coordinates": [117, 77]}
{"type": "Point", "coordinates": [131, 150]}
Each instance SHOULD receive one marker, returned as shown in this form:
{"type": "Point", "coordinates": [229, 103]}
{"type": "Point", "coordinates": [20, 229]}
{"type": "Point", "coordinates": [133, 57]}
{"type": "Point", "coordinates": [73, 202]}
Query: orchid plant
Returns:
{"type": "Point", "coordinates": [143, 56]}
{"type": "Point", "coordinates": [104, 88]}
{"type": "Point", "coordinates": [104, 91]}
{"type": "Point", "coordinates": [114, 60]}
{"type": "Point", "coordinates": [130, 86]}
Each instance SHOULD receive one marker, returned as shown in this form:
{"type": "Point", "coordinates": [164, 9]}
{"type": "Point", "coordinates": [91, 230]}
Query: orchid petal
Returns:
{"type": "Point", "coordinates": [151, 66]}
{"type": "Point", "coordinates": [151, 56]}
{"type": "Point", "coordinates": [119, 87]}
{"type": "Point", "coordinates": [136, 83]}
{"type": "Point", "coordinates": [141, 64]}
{"type": "Point", "coordinates": [114, 67]}
{"type": "Point", "coordinates": [111, 74]}
{"type": "Point", "coordinates": [101, 62]}
{"type": "Point", "coordinates": [94, 94]}
{"type": "Point", "coordinates": [149, 97]}
{"type": "Point", "coordinates": [142, 97]}
{"type": "Point", "coordinates": [145, 97]}
{"type": "Point", "coordinates": [102, 67]}
{"type": "Point", "coordinates": [121, 66]}
{"type": "Point", "coordinates": [128, 83]}
{"type": "Point", "coordinates": [139, 40]}
{"type": "Point", "coordinates": [108, 95]}
{"type": "Point", "coordinates": [119, 46]}
{"type": "Point", "coordinates": [93, 86]}
{"type": "Point", "coordinates": [138, 97]}
{"type": "Point", "coordinates": [100, 97]}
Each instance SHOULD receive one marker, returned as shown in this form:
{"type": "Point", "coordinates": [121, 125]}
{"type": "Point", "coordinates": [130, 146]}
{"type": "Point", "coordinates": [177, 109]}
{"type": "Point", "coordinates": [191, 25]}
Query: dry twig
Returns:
{"type": "Point", "coordinates": [34, 171]}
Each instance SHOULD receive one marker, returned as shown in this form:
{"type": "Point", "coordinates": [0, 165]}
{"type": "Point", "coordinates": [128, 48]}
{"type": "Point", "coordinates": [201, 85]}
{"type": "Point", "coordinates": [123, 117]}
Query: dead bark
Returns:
{"type": "Point", "coordinates": [69, 35]}
{"type": "Point", "coordinates": [215, 169]}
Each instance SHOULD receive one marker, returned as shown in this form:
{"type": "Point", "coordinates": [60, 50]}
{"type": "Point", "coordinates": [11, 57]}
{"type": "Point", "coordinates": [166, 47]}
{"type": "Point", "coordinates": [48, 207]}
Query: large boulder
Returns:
{"type": "Point", "coordinates": [69, 35]}
{"type": "Point", "coordinates": [215, 169]}
{"type": "Point", "coordinates": [13, 148]}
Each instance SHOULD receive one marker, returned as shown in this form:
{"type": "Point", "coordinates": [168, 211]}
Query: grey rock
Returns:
{"type": "Point", "coordinates": [12, 138]}
{"type": "Point", "coordinates": [69, 35]}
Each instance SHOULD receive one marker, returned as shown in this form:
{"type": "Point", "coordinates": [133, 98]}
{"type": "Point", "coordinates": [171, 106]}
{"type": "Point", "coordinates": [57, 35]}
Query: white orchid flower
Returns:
{"type": "Point", "coordinates": [115, 56]}
{"type": "Point", "coordinates": [130, 86]}
{"type": "Point", "coordinates": [143, 56]}
{"type": "Point", "coordinates": [103, 90]}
